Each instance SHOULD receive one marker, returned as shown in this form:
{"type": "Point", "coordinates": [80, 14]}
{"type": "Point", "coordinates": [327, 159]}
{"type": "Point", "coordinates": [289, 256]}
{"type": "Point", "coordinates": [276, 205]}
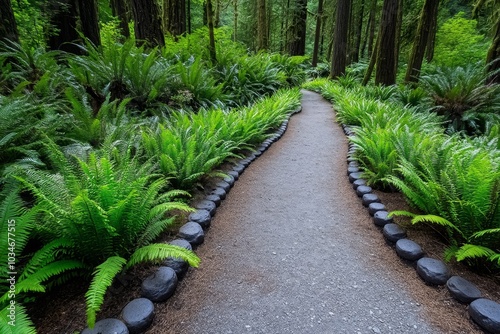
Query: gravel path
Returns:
{"type": "Point", "coordinates": [284, 253]}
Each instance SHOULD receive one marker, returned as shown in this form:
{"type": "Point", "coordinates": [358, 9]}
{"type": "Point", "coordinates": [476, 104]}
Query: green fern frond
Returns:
{"type": "Point", "coordinates": [102, 280]}
{"type": "Point", "coordinates": [486, 232]}
{"type": "Point", "coordinates": [157, 252]}
{"type": "Point", "coordinates": [22, 323]}
{"type": "Point", "coordinates": [469, 251]}
{"type": "Point", "coordinates": [401, 213]}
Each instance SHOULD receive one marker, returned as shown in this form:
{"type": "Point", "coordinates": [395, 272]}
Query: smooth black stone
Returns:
{"type": "Point", "coordinates": [353, 164]}
{"type": "Point", "coordinates": [462, 290]}
{"type": "Point", "coordinates": [239, 168]}
{"type": "Point", "coordinates": [107, 326]}
{"type": "Point", "coordinates": [352, 170]}
{"type": "Point", "coordinates": [486, 313]}
{"type": "Point", "coordinates": [433, 271]}
{"type": "Point", "coordinates": [219, 192]}
{"type": "Point", "coordinates": [251, 157]}
{"type": "Point", "coordinates": [357, 183]}
{"type": "Point", "coordinates": [362, 190]}
{"type": "Point", "coordinates": [245, 162]}
{"type": "Point", "coordinates": [181, 243]}
{"type": "Point", "coordinates": [138, 315]}
{"type": "Point", "coordinates": [374, 207]}
{"type": "Point", "coordinates": [202, 217]}
{"type": "Point", "coordinates": [160, 285]}
{"type": "Point", "coordinates": [206, 205]}
{"type": "Point", "coordinates": [351, 159]}
{"type": "Point", "coordinates": [380, 218]}
{"type": "Point", "coordinates": [229, 179]}
{"type": "Point", "coordinates": [192, 232]}
{"type": "Point", "coordinates": [370, 198]}
{"type": "Point", "coordinates": [224, 185]}
{"type": "Point", "coordinates": [354, 176]}
{"type": "Point", "coordinates": [234, 174]}
{"type": "Point", "coordinates": [213, 198]}
{"type": "Point", "coordinates": [257, 153]}
{"type": "Point", "coordinates": [178, 265]}
{"type": "Point", "coordinates": [409, 249]}
{"type": "Point", "coordinates": [393, 232]}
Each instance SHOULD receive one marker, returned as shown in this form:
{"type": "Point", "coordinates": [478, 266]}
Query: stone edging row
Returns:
{"type": "Point", "coordinates": [485, 312]}
{"type": "Point", "coordinates": [137, 316]}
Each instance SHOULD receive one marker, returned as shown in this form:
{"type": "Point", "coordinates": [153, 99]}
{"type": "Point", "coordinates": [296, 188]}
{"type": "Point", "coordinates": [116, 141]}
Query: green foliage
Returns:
{"type": "Point", "coordinates": [458, 43]}
{"type": "Point", "coordinates": [461, 95]}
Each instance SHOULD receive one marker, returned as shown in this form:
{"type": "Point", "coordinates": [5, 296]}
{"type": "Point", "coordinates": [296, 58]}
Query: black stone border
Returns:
{"type": "Point", "coordinates": [217, 195]}
{"type": "Point", "coordinates": [485, 314]}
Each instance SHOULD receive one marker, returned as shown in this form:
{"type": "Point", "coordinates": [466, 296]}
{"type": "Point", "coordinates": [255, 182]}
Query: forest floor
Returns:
{"type": "Point", "coordinates": [292, 250]}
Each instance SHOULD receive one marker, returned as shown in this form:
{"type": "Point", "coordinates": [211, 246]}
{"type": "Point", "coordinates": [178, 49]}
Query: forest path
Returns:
{"type": "Point", "coordinates": [291, 249]}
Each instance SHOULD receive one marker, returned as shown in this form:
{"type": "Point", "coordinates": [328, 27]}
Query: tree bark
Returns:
{"type": "Point", "coordinates": [399, 23]}
{"type": "Point", "coordinates": [431, 40]}
{"type": "Point", "coordinates": [385, 73]}
{"type": "Point", "coordinates": [119, 9]}
{"type": "Point", "coordinates": [189, 16]}
{"type": "Point", "coordinates": [421, 40]}
{"type": "Point", "coordinates": [89, 21]}
{"type": "Point", "coordinates": [211, 35]}
{"type": "Point", "coordinates": [147, 23]}
{"type": "Point", "coordinates": [317, 34]}
{"type": "Point", "coordinates": [218, 5]}
{"type": "Point", "coordinates": [8, 27]}
{"type": "Point", "coordinates": [64, 20]}
{"type": "Point", "coordinates": [493, 57]}
{"type": "Point", "coordinates": [174, 16]}
{"type": "Point", "coordinates": [262, 37]}
{"type": "Point", "coordinates": [371, 65]}
{"type": "Point", "coordinates": [235, 32]}
{"type": "Point", "coordinates": [373, 24]}
{"type": "Point", "coordinates": [297, 36]}
{"type": "Point", "coordinates": [357, 31]}
{"type": "Point", "coordinates": [339, 58]}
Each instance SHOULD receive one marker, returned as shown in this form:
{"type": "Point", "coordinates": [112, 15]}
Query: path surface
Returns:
{"type": "Point", "coordinates": [284, 254]}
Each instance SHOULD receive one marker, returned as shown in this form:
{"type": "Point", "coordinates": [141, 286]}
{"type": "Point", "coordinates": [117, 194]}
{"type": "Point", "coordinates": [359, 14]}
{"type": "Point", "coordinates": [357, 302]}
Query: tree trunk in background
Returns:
{"type": "Point", "coordinates": [297, 36]}
{"type": "Point", "coordinates": [89, 21]}
{"type": "Point", "coordinates": [174, 16]}
{"type": "Point", "coordinates": [493, 58]}
{"type": "Point", "coordinates": [386, 57]}
{"type": "Point", "coordinates": [64, 17]}
{"type": "Point", "coordinates": [373, 24]}
{"type": "Point", "coordinates": [218, 5]}
{"type": "Point", "coordinates": [317, 34]}
{"type": "Point", "coordinates": [147, 23]}
{"type": "Point", "coordinates": [262, 37]}
{"type": "Point", "coordinates": [421, 40]}
{"type": "Point", "coordinates": [357, 31]}
{"type": "Point", "coordinates": [431, 40]}
{"type": "Point", "coordinates": [235, 32]}
{"type": "Point", "coordinates": [339, 58]}
{"type": "Point", "coordinates": [211, 36]}
{"type": "Point", "coordinates": [8, 27]}
{"type": "Point", "coordinates": [189, 16]}
{"type": "Point", "coordinates": [399, 23]}
{"type": "Point", "coordinates": [120, 10]}
{"type": "Point", "coordinates": [371, 65]}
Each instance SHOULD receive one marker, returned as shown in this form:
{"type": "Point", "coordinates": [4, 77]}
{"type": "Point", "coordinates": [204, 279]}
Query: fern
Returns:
{"type": "Point", "coordinates": [22, 323]}
{"type": "Point", "coordinates": [156, 252]}
{"type": "Point", "coordinates": [102, 280]}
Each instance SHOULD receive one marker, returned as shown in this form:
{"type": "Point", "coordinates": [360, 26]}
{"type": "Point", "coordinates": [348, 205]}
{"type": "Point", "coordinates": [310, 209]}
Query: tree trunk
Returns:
{"type": "Point", "coordinates": [235, 32]}
{"type": "Point", "coordinates": [89, 21]}
{"type": "Point", "coordinates": [147, 23]}
{"type": "Point", "coordinates": [399, 23]}
{"type": "Point", "coordinates": [340, 38]}
{"type": "Point", "coordinates": [120, 10]}
{"type": "Point", "coordinates": [357, 31]}
{"type": "Point", "coordinates": [386, 57]}
{"type": "Point", "coordinates": [218, 5]}
{"type": "Point", "coordinates": [421, 40]}
{"type": "Point", "coordinates": [431, 40]}
{"type": "Point", "coordinates": [64, 21]}
{"type": "Point", "coordinates": [373, 24]}
{"type": "Point", "coordinates": [189, 16]}
{"type": "Point", "coordinates": [262, 37]}
{"type": "Point", "coordinates": [493, 58]}
{"type": "Point", "coordinates": [371, 65]}
{"type": "Point", "coordinates": [317, 34]}
{"type": "Point", "coordinates": [174, 15]}
{"type": "Point", "coordinates": [211, 36]}
{"type": "Point", "coordinates": [297, 36]}
{"type": "Point", "coordinates": [8, 27]}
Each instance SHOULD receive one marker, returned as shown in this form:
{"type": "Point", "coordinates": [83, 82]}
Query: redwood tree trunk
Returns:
{"type": "Point", "coordinates": [174, 14]}
{"type": "Point", "coordinates": [8, 27]}
{"type": "Point", "coordinates": [385, 72]}
{"type": "Point", "coordinates": [262, 37]}
{"type": "Point", "coordinates": [89, 21]}
{"type": "Point", "coordinates": [317, 35]}
{"type": "Point", "coordinates": [421, 40]}
{"type": "Point", "coordinates": [120, 10]}
{"type": "Point", "coordinates": [64, 20]}
{"type": "Point", "coordinates": [211, 35]}
{"type": "Point", "coordinates": [297, 37]}
{"type": "Point", "coordinates": [358, 28]}
{"type": "Point", "coordinates": [493, 58]}
{"type": "Point", "coordinates": [147, 23]}
{"type": "Point", "coordinates": [431, 40]}
{"type": "Point", "coordinates": [339, 58]}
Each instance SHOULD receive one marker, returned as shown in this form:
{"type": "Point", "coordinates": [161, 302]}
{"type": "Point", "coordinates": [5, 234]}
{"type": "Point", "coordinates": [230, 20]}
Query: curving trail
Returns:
{"type": "Point", "coordinates": [286, 253]}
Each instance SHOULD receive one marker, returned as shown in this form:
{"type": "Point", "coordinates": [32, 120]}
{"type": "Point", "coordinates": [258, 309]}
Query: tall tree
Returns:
{"type": "Point", "coordinates": [493, 56]}
{"type": "Point", "coordinates": [357, 28]}
{"type": "Point", "coordinates": [147, 23]}
{"type": "Point", "coordinates": [385, 73]}
{"type": "Point", "coordinates": [431, 40]}
{"type": "Point", "coordinates": [317, 34]}
{"type": "Point", "coordinates": [174, 17]}
{"type": "Point", "coordinates": [211, 35]}
{"type": "Point", "coordinates": [262, 36]}
{"type": "Point", "coordinates": [8, 27]}
{"type": "Point", "coordinates": [64, 21]}
{"type": "Point", "coordinates": [421, 40]}
{"type": "Point", "coordinates": [297, 29]}
{"type": "Point", "coordinates": [339, 58]}
{"type": "Point", "coordinates": [89, 20]}
{"type": "Point", "coordinates": [120, 10]}
{"type": "Point", "coordinates": [235, 30]}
